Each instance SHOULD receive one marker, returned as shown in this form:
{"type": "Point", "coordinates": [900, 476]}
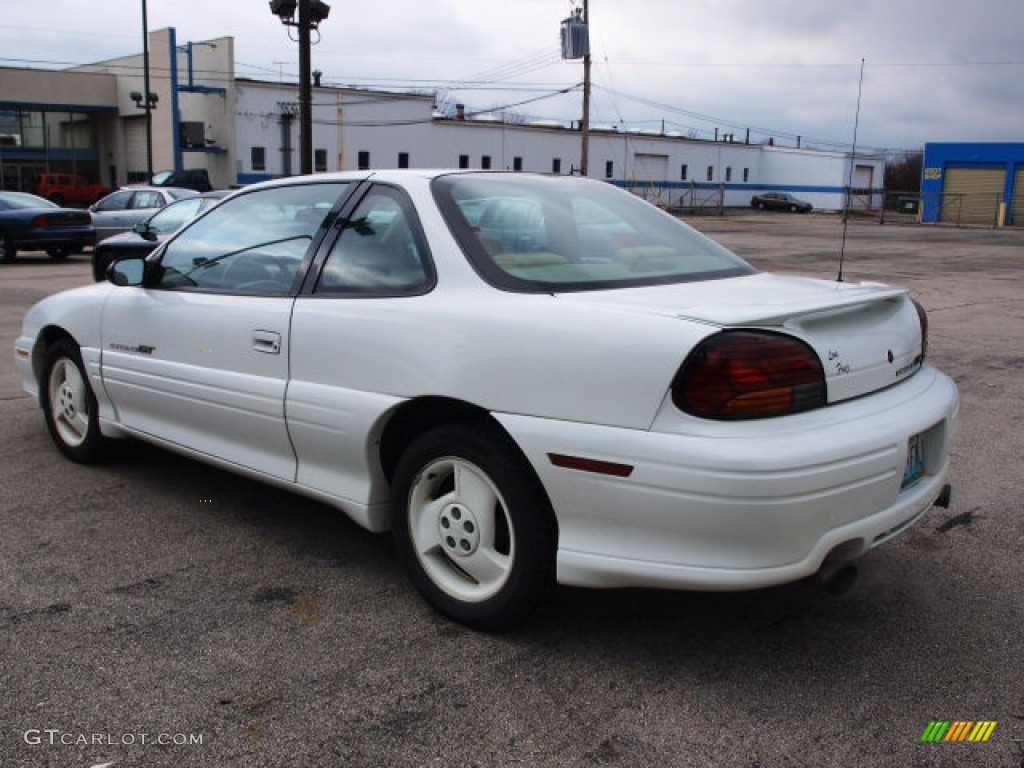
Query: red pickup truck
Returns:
{"type": "Point", "coordinates": [63, 188]}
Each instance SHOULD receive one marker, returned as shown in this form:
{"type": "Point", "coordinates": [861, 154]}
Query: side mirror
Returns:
{"type": "Point", "coordinates": [143, 230]}
{"type": "Point", "coordinates": [127, 272]}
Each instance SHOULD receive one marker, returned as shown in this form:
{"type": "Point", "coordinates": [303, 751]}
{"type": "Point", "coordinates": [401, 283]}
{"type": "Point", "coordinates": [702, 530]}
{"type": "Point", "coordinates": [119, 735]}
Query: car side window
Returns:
{"type": "Point", "coordinates": [379, 250]}
{"type": "Point", "coordinates": [254, 243]}
{"type": "Point", "coordinates": [147, 199]}
{"type": "Point", "coordinates": [116, 202]}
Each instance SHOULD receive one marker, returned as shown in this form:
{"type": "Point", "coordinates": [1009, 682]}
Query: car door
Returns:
{"type": "Point", "coordinates": [111, 214]}
{"type": "Point", "coordinates": [348, 344]}
{"type": "Point", "coordinates": [198, 356]}
{"type": "Point", "coordinates": [144, 203]}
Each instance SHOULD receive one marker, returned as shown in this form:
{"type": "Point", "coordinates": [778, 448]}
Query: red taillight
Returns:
{"type": "Point", "coordinates": [749, 375]}
{"type": "Point", "coordinates": [41, 221]}
{"type": "Point", "coordinates": [923, 317]}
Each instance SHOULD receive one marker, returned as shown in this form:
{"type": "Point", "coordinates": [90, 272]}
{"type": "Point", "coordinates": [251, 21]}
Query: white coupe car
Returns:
{"type": "Point", "coordinates": [529, 380]}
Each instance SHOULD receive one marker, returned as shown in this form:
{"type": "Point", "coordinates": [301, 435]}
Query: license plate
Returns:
{"type": "Point", "coordinates": [914, 469]}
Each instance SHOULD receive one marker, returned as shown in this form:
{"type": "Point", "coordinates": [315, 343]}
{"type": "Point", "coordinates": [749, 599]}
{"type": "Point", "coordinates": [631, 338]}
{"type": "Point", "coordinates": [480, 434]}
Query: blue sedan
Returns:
{"type": "Point", "coordinates": [30, 223]}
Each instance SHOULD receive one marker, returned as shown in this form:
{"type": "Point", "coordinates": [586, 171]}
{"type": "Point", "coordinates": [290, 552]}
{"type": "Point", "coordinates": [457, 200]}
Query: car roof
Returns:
{"type": "Point", "coordinates": [399, 175]}
{"type": "Point", "coordinates": [149, 188]}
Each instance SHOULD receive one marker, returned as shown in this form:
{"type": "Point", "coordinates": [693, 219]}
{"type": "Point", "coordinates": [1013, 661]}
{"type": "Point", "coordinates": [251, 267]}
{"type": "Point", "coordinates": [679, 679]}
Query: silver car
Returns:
{"type": "Point", "coordinates": [120, 211]}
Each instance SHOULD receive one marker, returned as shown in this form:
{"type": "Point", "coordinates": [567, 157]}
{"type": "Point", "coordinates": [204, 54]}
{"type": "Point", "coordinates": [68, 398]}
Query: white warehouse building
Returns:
{"type": "Point", "coordinates": [244, 130]}
{"type": "Point", "coordinates": [358, 129]}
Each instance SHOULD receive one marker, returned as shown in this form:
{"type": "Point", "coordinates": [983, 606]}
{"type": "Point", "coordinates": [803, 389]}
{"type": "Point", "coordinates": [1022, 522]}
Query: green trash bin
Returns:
{"type": "Point", "coordinates": [910, 205]}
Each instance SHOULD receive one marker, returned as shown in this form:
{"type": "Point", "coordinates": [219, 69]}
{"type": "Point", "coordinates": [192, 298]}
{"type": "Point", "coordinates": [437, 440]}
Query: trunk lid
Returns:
{"type": "Point", "coordinates": [867, 335]}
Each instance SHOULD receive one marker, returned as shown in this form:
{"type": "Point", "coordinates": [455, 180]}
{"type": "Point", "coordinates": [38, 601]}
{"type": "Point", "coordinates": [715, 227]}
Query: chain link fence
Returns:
{"type": "Point", "coordinates": [680, 197]}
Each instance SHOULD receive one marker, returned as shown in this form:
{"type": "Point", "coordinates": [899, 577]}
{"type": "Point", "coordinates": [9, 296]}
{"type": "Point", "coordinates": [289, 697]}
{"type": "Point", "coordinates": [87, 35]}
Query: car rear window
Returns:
{"type": "Point", "coordinates": [549, 234]}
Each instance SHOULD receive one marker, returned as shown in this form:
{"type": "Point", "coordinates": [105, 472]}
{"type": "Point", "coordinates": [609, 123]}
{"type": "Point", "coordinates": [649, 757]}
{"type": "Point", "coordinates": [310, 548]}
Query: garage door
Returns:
{"type": "Point", "coordinates": [863, 185]}
{"type": "Point", "coordinates": [649, 175]}
{"type": "Point", "coordinates": [1017, 204]}
{"type": "Point", "coordinates": [972, 195]}
{"type": "Point", "coordinates": [135, 148]}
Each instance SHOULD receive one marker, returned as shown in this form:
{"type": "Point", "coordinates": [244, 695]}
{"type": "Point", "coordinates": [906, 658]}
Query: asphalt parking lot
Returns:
{"type": "Point", "coordinates": [157, 612]}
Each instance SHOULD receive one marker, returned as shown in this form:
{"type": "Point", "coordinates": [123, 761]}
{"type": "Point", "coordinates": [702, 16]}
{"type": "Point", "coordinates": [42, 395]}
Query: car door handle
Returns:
{"type": "Point", "coordinates": [268, 342]}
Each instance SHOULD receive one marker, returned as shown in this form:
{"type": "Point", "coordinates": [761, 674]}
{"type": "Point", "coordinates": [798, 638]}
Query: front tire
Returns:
{"type": "Point", "coordinates": [473, 526]}
{"type": "Point", "coordinates": [100, 261]}
{"type": "Point", "coordinates": [69, 405]}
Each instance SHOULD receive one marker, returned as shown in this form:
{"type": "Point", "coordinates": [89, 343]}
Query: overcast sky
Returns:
{"type": "Point", "coordinates": [936, 70]}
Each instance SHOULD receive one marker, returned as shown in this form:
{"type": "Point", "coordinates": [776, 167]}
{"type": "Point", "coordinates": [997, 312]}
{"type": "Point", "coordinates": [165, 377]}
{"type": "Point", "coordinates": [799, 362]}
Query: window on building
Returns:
{"type": "Point", "coordinates": [364, 160]}
{"type": "Point", "coordinates": [556, 165]}
{"type": "Point", "coordinates": [711, 173]}
{"type": "Point", "coordinates": [746, 174]}
{"type": "Point", "coordinates": [609, 169]}
{"type": "Point", "coordinates": [258, 157]}
{"type": "Point", "coordinates": [684, 172]}
{"type": "Point", "coordinates": [517, 163]}
{"type": "Point", "coordinates": [403, 159]}
{"type": "Point", "coordinates": [728, 173]}
{"type": "Point", "coordinates": [463, 161]}
{"type": "Point", "coordinates": [320, 160]}
{"type": "Point", "coordinates": [485, 162]}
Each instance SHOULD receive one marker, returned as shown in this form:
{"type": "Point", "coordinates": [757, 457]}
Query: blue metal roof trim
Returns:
{"type": "Point", "coordinates": [45, 107]}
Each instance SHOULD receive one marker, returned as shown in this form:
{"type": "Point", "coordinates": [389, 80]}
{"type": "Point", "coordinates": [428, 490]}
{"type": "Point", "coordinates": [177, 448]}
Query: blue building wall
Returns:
{"type": "Point", "coordinates": [939, 157]}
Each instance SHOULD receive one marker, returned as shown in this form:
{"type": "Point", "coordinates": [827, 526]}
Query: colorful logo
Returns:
{"type": "Point", "coordinates": [958, 730]}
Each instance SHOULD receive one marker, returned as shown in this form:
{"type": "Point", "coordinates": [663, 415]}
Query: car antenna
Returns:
{"type": "Point", "coordinates": [849, 178]}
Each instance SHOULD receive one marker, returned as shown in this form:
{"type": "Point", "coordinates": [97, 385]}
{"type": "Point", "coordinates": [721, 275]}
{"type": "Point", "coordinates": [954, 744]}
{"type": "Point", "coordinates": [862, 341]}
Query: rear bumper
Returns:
{"type": "Point", "coordinates": [41, 241]}
{"type": "Point", "coordinates": [741, 506]}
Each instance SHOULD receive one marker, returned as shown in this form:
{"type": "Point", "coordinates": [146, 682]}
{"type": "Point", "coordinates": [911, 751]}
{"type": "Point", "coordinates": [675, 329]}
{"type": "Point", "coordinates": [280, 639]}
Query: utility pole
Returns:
{"type": "Point", "coordinates": [576, 45]}
{"type": "Point", "coordinates": [585, 122]}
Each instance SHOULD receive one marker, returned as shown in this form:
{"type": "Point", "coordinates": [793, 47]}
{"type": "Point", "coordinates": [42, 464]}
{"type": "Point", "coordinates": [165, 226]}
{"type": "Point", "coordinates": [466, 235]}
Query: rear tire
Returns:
{"type": "Point", "coordinates": [69, 405]}
{"type": "Point", "coordinates": [472, 525]}
{"type": "Point", "coordinates": [7, 249]}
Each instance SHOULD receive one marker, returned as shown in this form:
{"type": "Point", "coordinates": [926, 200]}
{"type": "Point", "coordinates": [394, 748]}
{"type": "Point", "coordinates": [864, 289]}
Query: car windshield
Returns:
{"type": "Point", "coordinates": [15, 200]}
{"type": "Point", "coordinates": [175, 215]}
{"type": "Point", "coordinates": [550, 234]}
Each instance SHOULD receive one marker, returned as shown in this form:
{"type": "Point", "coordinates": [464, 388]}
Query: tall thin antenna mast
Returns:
{"type": "Point", "coordinates": [849, 180]}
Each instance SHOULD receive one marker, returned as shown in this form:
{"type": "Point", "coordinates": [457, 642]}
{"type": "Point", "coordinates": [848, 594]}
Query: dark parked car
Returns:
{"type": "Point", "coordinates": [147, 235]}
{"type": "Point", "coordinates": [30, 223]}
{"type": "Point", "coordinates": [190, 178]}
{"type": "Point", "coordinates": [780, 201]}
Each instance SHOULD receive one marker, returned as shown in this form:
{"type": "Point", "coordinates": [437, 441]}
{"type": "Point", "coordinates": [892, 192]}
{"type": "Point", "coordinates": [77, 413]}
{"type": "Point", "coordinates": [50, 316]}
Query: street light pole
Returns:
{"type": "Point", "coordinates": [305, 92]}
{"type": "Point", "coordinates": [310, 13]}
{"type": "Point", "coordinates": [146, 97]}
